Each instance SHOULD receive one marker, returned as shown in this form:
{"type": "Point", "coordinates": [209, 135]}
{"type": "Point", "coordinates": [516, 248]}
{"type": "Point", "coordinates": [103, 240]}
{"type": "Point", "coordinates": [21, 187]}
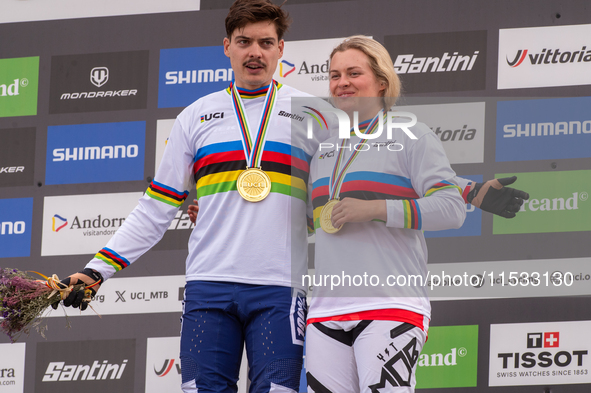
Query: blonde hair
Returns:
{"type": "Point", "coordinates": [380, 63]}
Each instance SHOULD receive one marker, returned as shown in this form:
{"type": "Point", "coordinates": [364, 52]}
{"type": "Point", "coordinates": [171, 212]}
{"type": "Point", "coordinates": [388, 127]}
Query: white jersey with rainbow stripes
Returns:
{"type": "Point", "coordinates": [421, 193]}
{"type": "Point", "coordinates": [234, 240]}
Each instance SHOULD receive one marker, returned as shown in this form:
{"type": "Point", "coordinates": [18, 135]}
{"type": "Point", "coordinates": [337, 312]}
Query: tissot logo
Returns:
{"type": "Point", "coordinates": [440, 61]}
{"type": "Point", "coordinates": [99, 76]}
{"type": "Point", "coordinates": [545, 353]}
{"type": "Point", "coordinates": [98, 82]}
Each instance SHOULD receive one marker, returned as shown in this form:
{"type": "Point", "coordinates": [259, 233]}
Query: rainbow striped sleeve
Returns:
{"type": "Point", "coordinates": [166, 194]}
{"type": "Point", "coordinates": [113, 259]}
{"type": "Point", "coordinates": [412, 214]}
{"type": "Point", "coordinates": [441, 186]}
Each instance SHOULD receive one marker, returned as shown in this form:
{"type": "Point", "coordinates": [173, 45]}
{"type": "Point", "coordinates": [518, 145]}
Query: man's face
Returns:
{"type": "Point", "coordinates": [254, 51]}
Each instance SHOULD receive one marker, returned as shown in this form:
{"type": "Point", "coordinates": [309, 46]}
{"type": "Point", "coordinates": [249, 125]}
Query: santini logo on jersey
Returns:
{"type": "Point", "coordinates": [199, 76]}
{"type": "Point", "coordinates": [410, 64]}
{"type": "Point", "coordinates": [291, 116]}
{"type": "Point", "coordinates": [95, 153]}
{"type": "Point", "coordinates": [550, 56]}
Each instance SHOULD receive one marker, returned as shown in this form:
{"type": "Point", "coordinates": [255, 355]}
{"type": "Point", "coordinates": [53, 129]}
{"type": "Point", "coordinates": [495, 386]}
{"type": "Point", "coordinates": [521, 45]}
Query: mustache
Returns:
{"type": "Point", "coordinates": [255, 62]}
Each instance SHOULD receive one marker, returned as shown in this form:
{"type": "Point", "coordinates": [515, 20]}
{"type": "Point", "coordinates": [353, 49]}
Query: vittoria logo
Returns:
{"type": "Point", "coordinates": [550, 56]}
{"type": "Point", "coordinates": [217, 115]}
{"type": "Point", "coordinates": [167, 367]}
{"type": "Point", "coordinates": [99, 76]}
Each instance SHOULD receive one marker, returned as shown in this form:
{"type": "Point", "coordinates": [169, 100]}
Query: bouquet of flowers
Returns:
{"type": "Point", "coordinates": [24, 300]}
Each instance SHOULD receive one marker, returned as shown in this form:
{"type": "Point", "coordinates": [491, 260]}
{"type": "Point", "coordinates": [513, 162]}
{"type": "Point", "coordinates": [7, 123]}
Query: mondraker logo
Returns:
{"type": "Point", "coordinates": [167, 367]}
{"type": "Point", "coordinates": [550, 56]}
{"type": "Point", "coordinates": [204, 118]}
{"type": "Point", "coordinates": [285, 68]}
{"type": "Point", "coordinates": [58, 222]}
{"type": "Point", "coordinates": [99, 76]}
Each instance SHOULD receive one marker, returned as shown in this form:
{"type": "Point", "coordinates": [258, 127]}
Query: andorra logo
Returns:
{"type": "Point", "coordinates": [285, 68]}
{"type": "Point", "coordinates": [58, 222]}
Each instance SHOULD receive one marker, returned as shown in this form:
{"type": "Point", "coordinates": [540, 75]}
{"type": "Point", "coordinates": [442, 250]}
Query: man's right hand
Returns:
{"type": "Point", "coordinates": [76, 297]}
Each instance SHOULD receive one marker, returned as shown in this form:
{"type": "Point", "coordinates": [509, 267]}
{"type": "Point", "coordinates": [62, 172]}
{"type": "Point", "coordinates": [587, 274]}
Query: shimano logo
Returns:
{"type": "Point", "coordinates": [546, 129]}
{"type": "Point", "coordinates": [199, 76]}
{"type": "Point", "coordinates": [554, 204]}
{"type": "Point", "coordinates": [12, 89]}
{"type": "Point", "coordinates": [550, 56]}
{"type": "Point", "coordinates": [12, 169]}
{"type": "Point", "coordinates": [452, 135]}
{"type": "Point", "coordinates": [59, 371]}
{"type": "Point", "coordinates": [99, 76]}
{"type": "Point", "coordinates": [95, 153]}
{"type": "Point", "coordinates": [291, 116]}
{"type": "Point", "coordinates": [12, 228]}
{"type": "Point", "coordinates": [408, 64]}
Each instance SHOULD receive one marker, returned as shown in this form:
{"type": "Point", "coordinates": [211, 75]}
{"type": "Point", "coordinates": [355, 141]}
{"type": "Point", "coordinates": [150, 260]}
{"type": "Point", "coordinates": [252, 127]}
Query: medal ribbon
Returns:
{"type": "Point", "coordinates": [254, 151]}
{"type": "Point", "coordinates": [337, 177]}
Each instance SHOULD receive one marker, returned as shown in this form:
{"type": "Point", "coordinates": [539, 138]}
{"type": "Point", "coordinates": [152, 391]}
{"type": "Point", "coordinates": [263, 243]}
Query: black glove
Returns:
{"type": "Point", "coordinates": [75, 298]}
{"type": "Point", "coordinates": [493, 197]}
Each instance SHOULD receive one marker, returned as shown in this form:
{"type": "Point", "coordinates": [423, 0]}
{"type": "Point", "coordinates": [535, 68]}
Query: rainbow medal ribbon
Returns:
{"type": "Point", "coordinates": [338, 175]}
{"type": "Point", "coordinates": [253, 184]}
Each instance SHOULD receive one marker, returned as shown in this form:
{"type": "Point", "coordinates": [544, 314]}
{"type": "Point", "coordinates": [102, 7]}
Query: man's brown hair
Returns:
{"type": "Point", "coordinates": [243, 12]}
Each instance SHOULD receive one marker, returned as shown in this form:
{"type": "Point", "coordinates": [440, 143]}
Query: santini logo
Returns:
{"type": "Point", "coordinates": [409, 64]}
{"type": "Point", "coordinates": [550, 56]}
{"type": "Point", "coordinates": [95, 153]}
{"type": "Point", "coordinates": [166, 367]}
{"type": "Point", "coordinates": [199, 76]}
{"type": "Point", "coordinates": [59, 371]}
{"type": "Point", "coordinates": [12, 89]}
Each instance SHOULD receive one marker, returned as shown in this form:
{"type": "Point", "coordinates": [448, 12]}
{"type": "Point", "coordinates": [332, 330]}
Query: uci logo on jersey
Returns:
{"type": "Point", "coordinates": [217, 115]}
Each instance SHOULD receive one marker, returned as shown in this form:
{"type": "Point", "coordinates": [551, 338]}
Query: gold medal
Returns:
{"type": "Point", "coordinates": [253, 184]}
{"type": "Point", "coordinates": [326, 215]}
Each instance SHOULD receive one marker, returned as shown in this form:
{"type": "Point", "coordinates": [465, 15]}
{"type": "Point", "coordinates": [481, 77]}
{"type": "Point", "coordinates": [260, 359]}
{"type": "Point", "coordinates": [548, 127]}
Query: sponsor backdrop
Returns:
{"type": "Point", "coordinates": [88, 96]}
